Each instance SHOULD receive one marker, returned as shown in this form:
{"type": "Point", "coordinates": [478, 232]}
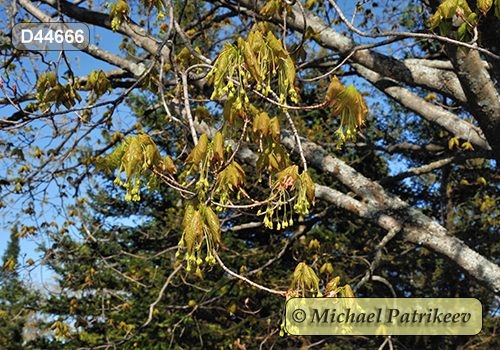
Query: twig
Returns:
{"type": "Point", "coordinates": [185, 41]}
{"type": "Point", "coordinates": [295, 133]}
{"type": "Point", "coordinates": [386, 282]}
{"type": "Point", "coordinates": [333, 70]}
{"type": "Point", "coordinates": [289, 107]}
{"type": "Point", "coordinates": [170, 183]}
{"type": "Point", "coordinates": [420, 170]}
{"type": "Point", "coordinates": [162, 95]}
{"type": "Point", "coordinates": [188, 108]}
{"type": "Point", "coordinates": [253, 284]}
{"type": "Point", "coordinates": [246, 121]}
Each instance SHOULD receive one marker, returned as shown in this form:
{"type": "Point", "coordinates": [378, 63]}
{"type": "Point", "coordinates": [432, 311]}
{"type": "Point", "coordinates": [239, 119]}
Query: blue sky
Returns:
{"type": "Point", "coordinates": [81, 64]}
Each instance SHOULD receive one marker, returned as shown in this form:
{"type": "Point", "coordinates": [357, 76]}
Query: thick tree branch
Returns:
{"type": "Point", "coordinates": [483, 98]}
{"type": "Point", "coordinates": [422, 231]}
{"type": "Point", "coordinates": [135, 69]}
{"type": "Point", "coordinates": [429, 111]}
{"type": "Point", "coordinates": [389, 211]}
{"type": "Point", "coordinates": [139, 35]}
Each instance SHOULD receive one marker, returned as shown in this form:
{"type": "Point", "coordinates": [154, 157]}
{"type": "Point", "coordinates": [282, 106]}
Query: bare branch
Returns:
{"type": "Point", "coordinates": [253, 284]}
{"type": "Point", "coordinates": [431, 112]}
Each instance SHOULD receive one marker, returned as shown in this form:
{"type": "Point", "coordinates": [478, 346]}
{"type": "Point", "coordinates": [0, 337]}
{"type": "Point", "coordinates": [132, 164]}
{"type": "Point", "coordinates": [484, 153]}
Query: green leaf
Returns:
{"type": "Point", "coordinates": [9, 265]}
{"type": "Point", "coordinates": [229, 112]}
{"type": "Point", "coordinates": [53, 94]}
{"type": "Point", "coordinates": [484, 5]}
{"type": "Point", "coordinates": [151, 152]}
{"type": "Point", "coordinates": [463, 34]}
{"type": "Point", "coordinates": [122, 8]}
{"type": "Point", "coordinates": [199, 152]}
{"type": "Point", "coordinates": [188, 215]}
{"type": "Point", "coordinates": [448, 8]}
{"type": "Point", "coordinates": [17, 152]}
{"type": "Point", "coordinates": [289, 68]}
{"type": "Point", "coordinates": [234, 175]}
{"type": "Point", "coordinates": [168, 165]}
{"type": "Point", "coordinates": [113, 160]}
{"type": "Point", "coordinates": [289, 172]}
{"type": "Point", "coordinates": [445, 27]}
{"type": "Point", "coordinates": [213, 223]}
{"type": "Point", "coordinates": [305, 276]}
{"type": "Point", "coordinates": [465, 8]}
{"type": "Point", "coordinates": [261, 125]}
{"type": "Point", "coordinates": [101, 83]}
{"type": "Point", "coordinates": [436, 19]}
{"type": "Point", "coordinates": [327, 267]}
{"type": "Point", "coordinates": [347, 293]}
{"type": "Point", "coordinates": [52, 79]}
{"type": "Point", "coordinates": [41, 85]}
{"type": "Point", "coordinates": [91, 80]}
{"type": "Point", "coordinates": [472, 19]}
{"type": "Point", "coordinates": [274, 128]}
{"type": "Point", "coordinates": [275, 45]}
{"type": "Point", "coordinates": [270, 9]}
{"type": "Point", "coordinates": [333, 89]}
{"type": "Point", "coordinates": [332, 285]}
{"type": "Point", "coordinates": [309, 185]}
{"type": "Point", "coordinates": [194, 231]}
{"type": "Point", "coordinates": [218, 147]}
{"type": "Point", "coordinates": [256, 41]}
{"type": "Point", "coordinates": [311, 4]}
{"type": "Point", "coordinates": [251, 61]}
{"type": "Point", "coordinates": [132, 157]}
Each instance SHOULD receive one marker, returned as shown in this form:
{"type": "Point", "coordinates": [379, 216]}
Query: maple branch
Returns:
{"type": "Point", "coordinates": [295, 133]}
{"type": "Point", "coordinates": [418, 170]}
{"type": "Point", "coordinates": [188, 108]}
{"type": "Point", "coordinates": [389, 211]}
{"type": "Point", "coordinates": [427, 110]}
{"type": "Point", "coordinates": [253, 284]}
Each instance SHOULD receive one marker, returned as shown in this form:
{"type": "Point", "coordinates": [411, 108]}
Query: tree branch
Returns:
{"type": "Point", "coordinates": [429, 111]}
{"type": "Point", "coordinates": [389, 211]}
{"type": "Point", "coordinates": [483, 98]}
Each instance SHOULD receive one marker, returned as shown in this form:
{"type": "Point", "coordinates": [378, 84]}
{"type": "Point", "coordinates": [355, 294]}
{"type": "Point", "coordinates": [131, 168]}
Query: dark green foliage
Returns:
{"type": "Point", "coordinates": [16, 301]}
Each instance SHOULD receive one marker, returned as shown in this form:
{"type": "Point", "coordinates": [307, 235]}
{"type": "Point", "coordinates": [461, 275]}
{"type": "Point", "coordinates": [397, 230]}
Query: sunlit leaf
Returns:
{"type": "Point", "coordinates": [484, 5]}
{"type": "Point", "coordinates": [213, 223]}
{"type": "Point", "coordinates": [448, 8]}
{"type": "Point", "coordinates": [188, 215]}
{"type": "Point", "coordinates": [218, 147]}
{"type": "Point", "coordinates": [168, 165]}
{"type": "Point", "coordinates": [112, 161]}
{"type": "Point", "coordinates": [289, 172]}
{"type": "Point", "coordinates": [309, 184]}
{"type": "Point", "coordinates": [52, 79]}
{"type": "Point", "coordinates": [132, 157]}
{"type": "Point", "coordinates": [251, 62]}
{"type": "Point", "coordinates": [333, 89]}
{"type": "Point", "coordinates": [193, 231]}
{"type": "Point", "coordinates": [199, 152]}
{"type": "Point", "coordinates": [274, 129]}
